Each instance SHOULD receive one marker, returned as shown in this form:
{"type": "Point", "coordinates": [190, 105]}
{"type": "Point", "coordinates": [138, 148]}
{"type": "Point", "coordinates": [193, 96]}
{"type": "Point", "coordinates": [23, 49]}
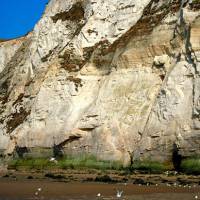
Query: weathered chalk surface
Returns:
{"type": "Point", "coordinates": [116, 79]}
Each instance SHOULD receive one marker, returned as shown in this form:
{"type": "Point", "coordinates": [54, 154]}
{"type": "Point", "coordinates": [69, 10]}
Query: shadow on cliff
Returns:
{"type": "Point", "coordinates": [176, 158]}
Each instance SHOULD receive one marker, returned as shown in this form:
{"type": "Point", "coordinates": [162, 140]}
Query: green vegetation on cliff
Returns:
{"type": "Point", "coordinates": [196, 1]}
{"type": "Point", "coordinates": [188, 166]}
{"type": "Point", "coordinates": [148, 166]}
{"type": "Point", "coordinates": [191, 165]}
{"type": "Point", "coordinates": [84, 162]}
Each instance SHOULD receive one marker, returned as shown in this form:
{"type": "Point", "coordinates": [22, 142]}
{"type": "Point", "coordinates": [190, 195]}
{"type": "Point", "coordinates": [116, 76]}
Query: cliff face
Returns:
{"type": "Point", "coordinates": [116, 79]}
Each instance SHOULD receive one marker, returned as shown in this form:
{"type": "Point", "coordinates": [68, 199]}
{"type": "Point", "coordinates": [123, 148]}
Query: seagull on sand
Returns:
{"type": "Point", "coordinates": [99, 194]}
{"type": "Point", "coordinates": [36, 193]}
{"type": "Point", "coordinates": [119, 194]}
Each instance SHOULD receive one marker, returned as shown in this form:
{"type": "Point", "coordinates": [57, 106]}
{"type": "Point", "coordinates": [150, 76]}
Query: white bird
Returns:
{"type": "Point", "coordinates": [175, 172]}
{"type": "Point", "coordinates": [166, 173]}
{"type": "Point", "coordinates": [175, 184]}
{"type": "Point", "coordinates": [52, 159]}
{"type": "Point", "coordinates": [39, 189]}
{"type": "Point", "coordinates": [36, 193]}
{"type": "Point", "coordinates": [99, 194]}
{"type": "Point", "coordinates": [119, 194]}
{"type": "Point", "coordinates": [196, 197]}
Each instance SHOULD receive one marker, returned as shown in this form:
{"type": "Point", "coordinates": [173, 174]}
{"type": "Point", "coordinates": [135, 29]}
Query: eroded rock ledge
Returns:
{"type": "Point", "coordinates": [116, 79]}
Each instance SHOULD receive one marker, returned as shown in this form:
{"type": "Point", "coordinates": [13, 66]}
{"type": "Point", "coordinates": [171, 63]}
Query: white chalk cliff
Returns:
{"type": "Point", "coordinates": [119, 79]}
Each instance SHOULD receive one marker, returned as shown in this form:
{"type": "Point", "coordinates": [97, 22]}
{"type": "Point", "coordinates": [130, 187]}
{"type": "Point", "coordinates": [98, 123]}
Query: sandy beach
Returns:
{"type": "Point", "coordinates": [58, 190]}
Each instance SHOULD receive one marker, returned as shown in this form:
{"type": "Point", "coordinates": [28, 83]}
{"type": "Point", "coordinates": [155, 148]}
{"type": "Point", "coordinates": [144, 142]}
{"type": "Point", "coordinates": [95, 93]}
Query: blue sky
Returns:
{"type": "Point", "coordinates": [17, 17]}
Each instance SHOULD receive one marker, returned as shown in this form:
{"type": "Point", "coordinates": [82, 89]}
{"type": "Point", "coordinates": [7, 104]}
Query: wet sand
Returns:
{"type": "Point", "coordinates": [21, 190]}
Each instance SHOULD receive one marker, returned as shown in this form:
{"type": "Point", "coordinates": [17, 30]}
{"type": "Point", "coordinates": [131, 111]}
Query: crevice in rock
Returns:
{"type": "Point", "coordinates": [58, 148]}
{"type": "Point", "coordinates": [190, 59]}
{"type": "Point", "coordinates": [45, 58]}
{"type": "Point", "coordinates": [77, 82]}
{"type": "Point", "coordinates": [176, 157]}
{"type": "Point", "coordinates": [17, 118]}
{"type": "Point", "coordinates": [87, 129]}
{"type": "Point", "coordinates": [20, 151]}
{"type": "Point", "coordinates": [162, 77]}
{"type": "Point", "coordinates": [76, 13]}
{"type": "Point", "coordinates": [8, 72]}
{"type": "Point", "coordinates": [3, 92]}
{"type": "Point", "coordinates": [19, 99]}
{"type": "Point", "coordinates": [70, 63]}
{"type": "Point", "coordinates": [131, 158]}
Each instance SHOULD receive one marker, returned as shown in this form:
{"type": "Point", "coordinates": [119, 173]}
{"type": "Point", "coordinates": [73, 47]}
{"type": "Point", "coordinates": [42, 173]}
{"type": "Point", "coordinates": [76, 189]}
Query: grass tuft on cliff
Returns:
{"type": "Point", "coordinates": [196, 1]}
{"type": "Point", "coordinates": [88, 162]}
{"type": "Point", "coordinates": [28, 163]}
{"type": "Point", "coordinates": [191, 165]}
